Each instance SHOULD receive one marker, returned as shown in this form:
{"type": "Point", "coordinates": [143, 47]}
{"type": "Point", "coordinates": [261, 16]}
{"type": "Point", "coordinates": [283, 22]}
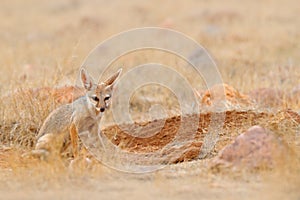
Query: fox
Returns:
{"type": "Point", "coordinates": [63, 125]}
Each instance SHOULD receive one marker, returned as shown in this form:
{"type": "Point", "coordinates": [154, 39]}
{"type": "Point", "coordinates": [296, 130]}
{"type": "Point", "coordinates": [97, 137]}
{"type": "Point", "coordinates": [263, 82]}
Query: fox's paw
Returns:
{"type": "Point", "coordinates": [41, 154]}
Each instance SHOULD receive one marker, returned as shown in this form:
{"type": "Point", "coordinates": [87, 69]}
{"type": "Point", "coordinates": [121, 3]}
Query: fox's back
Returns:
{"type": "Point", "coordinates": [58, 121]}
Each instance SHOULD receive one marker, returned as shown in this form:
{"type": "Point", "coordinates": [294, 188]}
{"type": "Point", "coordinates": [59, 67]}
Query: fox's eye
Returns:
{"type": "Point", "coordinates": [106, 98]}
{"type": "Point", "coordinates": [95, 98]}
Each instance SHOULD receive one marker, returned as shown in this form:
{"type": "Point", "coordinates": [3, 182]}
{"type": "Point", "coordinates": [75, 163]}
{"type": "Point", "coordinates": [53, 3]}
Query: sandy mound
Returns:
{"type": "Point", "coordinates": [224, 92]}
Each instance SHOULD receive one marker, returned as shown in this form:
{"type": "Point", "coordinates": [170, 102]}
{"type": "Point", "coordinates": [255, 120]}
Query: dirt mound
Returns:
{"type": "Point", "coordinates": [224, 92]}
{"type": "Point", "coordinates": [235, 122]}
{"type": "Point", "coordinates": [192, 147]}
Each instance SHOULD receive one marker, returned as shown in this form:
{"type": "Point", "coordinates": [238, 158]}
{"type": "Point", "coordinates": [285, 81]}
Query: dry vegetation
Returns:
{"type": "Point", "coordinates": [255, 44]}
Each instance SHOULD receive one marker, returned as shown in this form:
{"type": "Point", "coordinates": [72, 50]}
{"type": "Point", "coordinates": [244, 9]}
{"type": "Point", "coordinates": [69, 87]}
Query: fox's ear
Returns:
{"type": "Point", "coordinates": [113, 78]}
{"type": "Point", "coordinates": [86, 79]}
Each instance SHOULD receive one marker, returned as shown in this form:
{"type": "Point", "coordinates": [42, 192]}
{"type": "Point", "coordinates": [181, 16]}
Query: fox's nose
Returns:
{"type": "Point", "coordinates": [102, 109]}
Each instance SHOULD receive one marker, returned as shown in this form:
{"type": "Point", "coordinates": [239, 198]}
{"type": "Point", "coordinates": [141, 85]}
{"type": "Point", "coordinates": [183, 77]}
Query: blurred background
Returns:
{"type": "Point", "coordinates": [255, 43]}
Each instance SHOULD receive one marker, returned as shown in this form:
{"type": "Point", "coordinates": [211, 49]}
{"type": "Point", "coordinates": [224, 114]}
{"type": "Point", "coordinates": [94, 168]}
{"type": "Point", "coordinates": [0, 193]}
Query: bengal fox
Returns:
{"type": "Point", "coordinates": [84, 114]}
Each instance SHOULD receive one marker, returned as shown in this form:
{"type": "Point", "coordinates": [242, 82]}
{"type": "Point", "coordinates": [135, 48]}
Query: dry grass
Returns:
{"type": "Point", "coordinates": [255, 44]}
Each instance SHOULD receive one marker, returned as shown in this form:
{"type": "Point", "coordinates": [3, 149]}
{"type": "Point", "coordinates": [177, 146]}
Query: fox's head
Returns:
{"type": "Point", "coordinates": [99, 94]}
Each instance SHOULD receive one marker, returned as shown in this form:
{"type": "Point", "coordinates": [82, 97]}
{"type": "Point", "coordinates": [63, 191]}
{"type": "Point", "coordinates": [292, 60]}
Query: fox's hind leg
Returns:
{"type": "Point", "coordinates": [74, 140]}
{"type": "Point", "coordinates": [41, 154]}
{"type": "Point", "coordinates": [46, 147]}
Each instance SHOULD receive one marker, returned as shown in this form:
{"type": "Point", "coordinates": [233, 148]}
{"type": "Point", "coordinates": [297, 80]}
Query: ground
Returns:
{"type": "Point", "coordinates": [255, 45]}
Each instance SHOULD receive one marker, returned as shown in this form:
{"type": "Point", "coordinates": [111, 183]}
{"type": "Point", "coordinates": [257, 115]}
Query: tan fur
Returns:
{"type": "Point", "coordinates": [84, 114]}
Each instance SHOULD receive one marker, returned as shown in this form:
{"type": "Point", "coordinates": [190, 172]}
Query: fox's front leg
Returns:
{"type": "Point", "coordinates": [74, 140]}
